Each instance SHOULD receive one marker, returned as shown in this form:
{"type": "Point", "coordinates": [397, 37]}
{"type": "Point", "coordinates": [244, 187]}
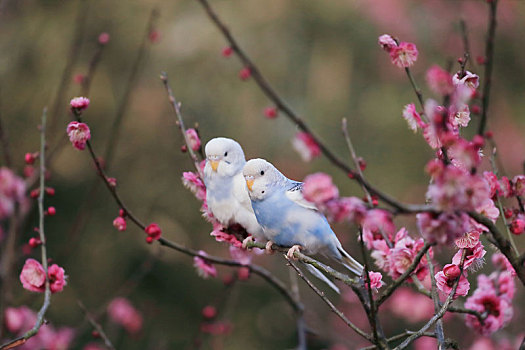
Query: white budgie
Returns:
{"type": "Point", "coordinates": [226, 192]}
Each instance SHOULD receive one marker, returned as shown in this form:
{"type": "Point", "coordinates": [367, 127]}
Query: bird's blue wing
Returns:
{"type": "Point", "coordinates": [295, 194]}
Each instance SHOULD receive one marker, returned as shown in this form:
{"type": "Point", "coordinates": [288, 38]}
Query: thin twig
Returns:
{"type": "Point", "coordinates": [417, 90]}
{"type": "Point", "coordinates": [96, 325]}
{"type": "Point", "coordinates": [353, 155]}
{"type": "Point", "coordinates": [351, 282]}
{"type": "Point", "coordinates": [301, 325]}
{"type": "Point", "coordinates": [377, 332]}
{"type": "Point", "coordinates": [4, 140]}
{"type": "Point", "coordinates": [441, 312]}
{"type": "Point", "coordinates": [47, 292]}
{"type": "Point", "coordinates": [500, 205]}
{"type": "Point", "coordinates": [448, 342]}
{"type": "Point", "coordinates": [440, 335]}
{"type": "Point", "coordinates": [93, 64]}
{"type": "Point", "coordinates": [331, 305]}
{"type": "Point", "coordinates": [466, 47]}
{"type": "Point", "coordinates": [130, 85]}
{"type": "Point", "coordinates": [489, 61]}
{"type": "Point", "coordinates": [180, 122]}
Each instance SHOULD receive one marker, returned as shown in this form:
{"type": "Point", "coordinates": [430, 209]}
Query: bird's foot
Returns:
{"type": "Point", "coordinates": [292, 250]}
{"type": "Point", "coordinates": [246, 241]}
{"type": "Point", "coordinates": [268, 248]}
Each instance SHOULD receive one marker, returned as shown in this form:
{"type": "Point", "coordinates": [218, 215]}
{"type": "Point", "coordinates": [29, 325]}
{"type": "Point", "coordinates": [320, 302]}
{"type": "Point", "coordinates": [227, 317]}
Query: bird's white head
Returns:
{"type": "Point", "coordinates": [261, 178]}
{"type": "Point", "coordinates": [223, 157]}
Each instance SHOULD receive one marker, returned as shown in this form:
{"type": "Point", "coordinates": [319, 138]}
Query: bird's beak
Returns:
{"type": "Point", "coordinates": [214, 165]}
{"type": "Point", "coordinates": [249, 183]}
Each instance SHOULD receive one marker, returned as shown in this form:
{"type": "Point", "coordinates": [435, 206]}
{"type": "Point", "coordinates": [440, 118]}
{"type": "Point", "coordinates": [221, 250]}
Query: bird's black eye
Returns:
{"type": "Point", "coordinates": [262, 191]}
{"type": "Point", "coordinates": [262, 172]}
{"type": "Point", "coordinates": [225, 154]}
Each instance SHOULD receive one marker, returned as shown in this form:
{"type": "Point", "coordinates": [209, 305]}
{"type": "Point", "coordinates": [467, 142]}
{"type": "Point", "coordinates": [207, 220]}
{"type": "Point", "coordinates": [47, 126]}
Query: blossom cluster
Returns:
{"type": "Point", "coordinates": [33, 277]}
{"type": "Point", "coordinates": [493, 298]}
{"type": "Point", "coordinates": [19, 320]}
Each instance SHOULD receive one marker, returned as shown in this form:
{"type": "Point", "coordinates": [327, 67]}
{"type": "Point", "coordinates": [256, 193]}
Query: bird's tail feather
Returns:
{"type": "Point", "coordinates": [314, 271]}
{"type": "Point", "coordinates": [350, 263]}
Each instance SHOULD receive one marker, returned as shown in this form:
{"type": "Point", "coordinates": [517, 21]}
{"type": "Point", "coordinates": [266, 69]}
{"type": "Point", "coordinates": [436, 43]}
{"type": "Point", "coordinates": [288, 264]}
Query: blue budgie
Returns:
{"type": "Point", "coordinates": [288, 219]}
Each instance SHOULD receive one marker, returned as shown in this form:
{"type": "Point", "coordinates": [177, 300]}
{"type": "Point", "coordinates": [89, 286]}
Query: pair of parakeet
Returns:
{"type": "Point", "coordinates": [267, 204]}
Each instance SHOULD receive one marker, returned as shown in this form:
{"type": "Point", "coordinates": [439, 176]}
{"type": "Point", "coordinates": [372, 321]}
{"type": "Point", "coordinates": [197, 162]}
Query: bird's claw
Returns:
{"type": "Point", "coordinates": [268, 247]}
{"type": "Point", "coordinates": [292, 250]}
{"type": "Point", "coordinates": [246, 241]}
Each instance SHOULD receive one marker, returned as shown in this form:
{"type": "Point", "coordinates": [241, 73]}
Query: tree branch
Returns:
{"type": "Point", "coordinates": [96, 326]}
{"type": "Point", "coordinates": [440, 336]}
{"type": "Point", "coordinates": [328, 302]}
{"type": "Point", "coordinates": [489, 61]}
{"type": "Point", "coordinates": [47, 292]}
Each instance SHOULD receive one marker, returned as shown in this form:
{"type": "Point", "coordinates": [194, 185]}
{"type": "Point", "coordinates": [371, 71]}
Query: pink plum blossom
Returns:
{"type": "Point", "coordinates": [240, 255]}
{"type": "Point", "coordinates": [488, 209]}
{"type": "Point", "coordinates": [204, 268]}
{"type": "Point", "coordinates": [79, 104]}
{"type": "Point", "coordinates": [193, 139]}
{"type": "Point", "coordinates": [33, 276]}
{"type": "Point", "coordinates": [460, 116]}
{"type": "Point", "coordinates": [12, 191]}
{"type": "Point", "coordinates": [404, 55]}
{"type": "Point", "coordinates": [318, 188]}
{"type": "Point", "coordinates": [506, 189]}
{"type": "Point", "coordinates": [376, 224]}
{"type": "Point", "coordinates": [502, 263]}
{"type": "Point", "coordinates": [442, 228]}
{"type": "Point", "coordinates": [271, 112]}
{"type": "Point", "coordinates": [123, 313]}
{"type": "Point", "coordinates": [439, 80]}
{"type": "Point", "coordinates": [222, 236]}
{"type": "Point", "coordinates": [518, 183]}
{"type": "Point", "coordinates": [352, 209]}
{"type": "Point", "coordinates": [506, 286]}
{"type": "Point", "coordinates": [193, 182]}
{"type": "Point", "coordinates": [493, 183]}
{"type": "Point", "coordinates": [473, 258]}
{"type": "Point", "coordinates": [19, 320]}
{"type": "Point", "coordinates": [79, 134]}
{"type": "Point", "coordinates": [375, 279]}
{"type": "Point", "coordinates": [457, 189]}
{"type": "Point", "coordinates": [468, 240]}
{"type": "Point", "coordinates": [446, 279]}
{"type": "Point", "coordinates": [103, 38]}
{"type": "Point", "coordinates": [153, 231]}
{"type": "Point", "coordinates": [57, 279]}
{"type": "Point", "coordinates": [498, 308]}
{"type": "Point", "coordinates": [412, 117]}
{"type": "Point", "coordinates": [470, 80]}
{"type": "Point", "coordinates": [386, 42]}
{"type": "Point", "coordinates": [517, 226]}
{"type": "Point", "coordinates": [306, 146]}
{"type": "Point", "coordinates": [120, 223]}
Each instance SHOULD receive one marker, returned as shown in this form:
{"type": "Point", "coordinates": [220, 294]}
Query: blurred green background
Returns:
{"type": "Point", "coordinates": [321, 56]}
